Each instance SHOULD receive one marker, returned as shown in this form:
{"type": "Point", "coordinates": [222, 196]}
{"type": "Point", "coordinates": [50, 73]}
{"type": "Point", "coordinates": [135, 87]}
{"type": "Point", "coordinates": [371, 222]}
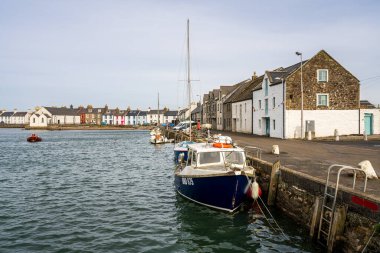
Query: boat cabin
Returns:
{"type": "Point", "coordinates": [205, 156]}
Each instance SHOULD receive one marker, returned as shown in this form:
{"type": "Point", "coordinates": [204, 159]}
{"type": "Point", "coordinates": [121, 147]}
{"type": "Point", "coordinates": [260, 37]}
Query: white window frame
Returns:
{"type": "Point", "coordinates": [327, 99]}
{"type": "Point", "coordinates": [274, 102]}
{"type": "Point", "coordinates": [327, 75]}
{"type": "Point", "coordinates": [259, 123]}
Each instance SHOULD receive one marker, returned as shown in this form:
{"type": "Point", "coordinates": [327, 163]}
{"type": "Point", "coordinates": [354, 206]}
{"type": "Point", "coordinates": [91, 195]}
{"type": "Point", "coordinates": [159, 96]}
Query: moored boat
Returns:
{"type": "Point", "coordinates": [34, 138]}
{"type": "Point", "coordinates": [181, 148]}
{"type": "Point", "coordinates": [157, 137]}
{"type": "Point", "coordinates": [215, 177]}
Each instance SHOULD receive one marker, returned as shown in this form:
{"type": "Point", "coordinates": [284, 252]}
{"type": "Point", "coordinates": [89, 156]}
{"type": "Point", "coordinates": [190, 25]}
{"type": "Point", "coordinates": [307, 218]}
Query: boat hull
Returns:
{"type": "Point", "coordinates": [224, 192]}
{"type": "Point", "coordinates": [34, 139]}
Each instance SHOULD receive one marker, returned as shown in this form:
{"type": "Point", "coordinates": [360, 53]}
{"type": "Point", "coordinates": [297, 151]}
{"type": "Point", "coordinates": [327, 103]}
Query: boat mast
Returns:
{"type": "Point", "coordinates": [188, 72]}
{"type": "Point", "coordinates": [158, 109]}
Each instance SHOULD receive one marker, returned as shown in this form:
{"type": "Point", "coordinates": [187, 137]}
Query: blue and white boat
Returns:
{"type": "Point", "coordinates": [214, 176]}
{"type": "Point", "coordinates": [181, 148]}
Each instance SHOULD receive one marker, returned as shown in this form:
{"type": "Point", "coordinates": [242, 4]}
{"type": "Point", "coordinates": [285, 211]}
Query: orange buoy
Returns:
{"type": "Point", "coordinates": [221, 145]}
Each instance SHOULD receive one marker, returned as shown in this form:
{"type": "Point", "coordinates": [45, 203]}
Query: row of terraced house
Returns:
{"type": "Point", "coordinates": [44, 116]}
{"type": "Point", "coordinates": [274, 104]}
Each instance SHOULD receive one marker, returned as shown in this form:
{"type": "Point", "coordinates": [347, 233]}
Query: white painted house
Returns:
{"type": "Point", "coordinates": [142, 118]}
{"type": "Point", "coordinates": [39, 119]}
{"type": "Point", "coordinates": [242, 106]}
{"type": "Point", "coordinates": [20, 118]}
{"type": "Point", "coordinates": [44, 116]}
{"type": "Point", "coordinates": [5, 117]}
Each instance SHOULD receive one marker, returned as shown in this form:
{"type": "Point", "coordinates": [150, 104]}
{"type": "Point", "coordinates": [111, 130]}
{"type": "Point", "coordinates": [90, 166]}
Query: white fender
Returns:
{"type": "Point", "coordinates": [255, 190]}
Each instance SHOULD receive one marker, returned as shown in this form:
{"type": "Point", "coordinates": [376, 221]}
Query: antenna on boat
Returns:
{"type": "Point", "coordinates": [188, 72]}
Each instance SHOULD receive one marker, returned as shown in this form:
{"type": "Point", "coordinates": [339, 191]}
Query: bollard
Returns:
{"type": "Point", "coordinates": [309, 135]}
{"type": "Point", "coordinates": [275, 150]}
{"type": "Point", "coordinates": [336, 134]}
{"type": "Point", "coordinates": [365, 135]}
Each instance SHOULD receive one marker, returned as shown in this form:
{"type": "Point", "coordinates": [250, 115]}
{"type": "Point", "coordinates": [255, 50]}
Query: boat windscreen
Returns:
{"type": "Point", "coordinates": [234, 157]}
{"type": "Point", "coordinates": [209, 157]}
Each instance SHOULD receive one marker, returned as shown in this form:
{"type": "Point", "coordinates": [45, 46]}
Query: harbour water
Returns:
{"type": "Point", "coordinates": [113, 191]}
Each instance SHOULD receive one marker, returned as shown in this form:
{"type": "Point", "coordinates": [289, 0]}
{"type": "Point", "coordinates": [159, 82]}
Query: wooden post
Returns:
{"type": "Point", "coordinates": [273, 183]}
{"type": "Point", "coordinates": [337, 227]}
{"type": "Point", "coordinates": [316, 216]}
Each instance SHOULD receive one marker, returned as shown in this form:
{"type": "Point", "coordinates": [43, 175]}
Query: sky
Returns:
{"type": "Point", "coordinates": [123, 53]}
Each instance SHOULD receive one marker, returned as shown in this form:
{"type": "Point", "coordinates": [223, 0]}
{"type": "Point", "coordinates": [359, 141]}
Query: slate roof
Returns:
{"type": "Point", "coordinates": [246, 91]}
{"type": "Point", "coordinates": [155, 111]}
{"type": "Point", "coordinates": [171, 113]}
{"type": "Point", "coordinates": [183, 111]}
{"type": "Point", "coordinates": [233, 94]}
{"type": "Point", "coordinates": [20, 114]}
{"type": "Point", "coordinates": [198, 109]}
{"type": "Point", "coordinates": [143, 113]}
{"type": "Point", "coordinates": [366, 104]}
{"type": "Point", "coordinates": [7, 114]}
{"type": "Point", "coordinates": [62, 111]}
{"type": "Point", "coordinates": [94, 111]}
{"type": "Point", "coordinates": [133, 113]}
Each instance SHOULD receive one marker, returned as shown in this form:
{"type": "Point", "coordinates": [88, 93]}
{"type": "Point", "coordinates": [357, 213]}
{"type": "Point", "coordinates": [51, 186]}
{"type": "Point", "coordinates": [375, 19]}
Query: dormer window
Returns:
{"type": "Point", "coordinates": [266, 86]}
{"type": "Point", "coordinates": [322, 75]}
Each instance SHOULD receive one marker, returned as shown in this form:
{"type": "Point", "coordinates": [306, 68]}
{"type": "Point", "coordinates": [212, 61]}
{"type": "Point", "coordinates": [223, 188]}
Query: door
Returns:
{"type": "Point", "coordinates": [368, 123]}
{"type": "Point", "coordinates": [267, 127]}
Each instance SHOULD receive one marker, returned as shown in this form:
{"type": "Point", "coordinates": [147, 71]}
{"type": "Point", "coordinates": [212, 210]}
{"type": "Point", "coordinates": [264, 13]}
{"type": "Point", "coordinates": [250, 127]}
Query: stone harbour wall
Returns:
{"type": "Point", "coordinates": [297, 195]}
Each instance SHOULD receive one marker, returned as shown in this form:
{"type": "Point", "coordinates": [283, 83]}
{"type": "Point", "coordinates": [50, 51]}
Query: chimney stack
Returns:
{"type": "Point", "coordinates": [254, 75]}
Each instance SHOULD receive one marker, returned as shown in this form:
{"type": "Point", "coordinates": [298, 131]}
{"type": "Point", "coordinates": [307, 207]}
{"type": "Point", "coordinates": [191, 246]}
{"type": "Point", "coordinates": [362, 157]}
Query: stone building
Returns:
{"type": "Point", "coordinates": [330, 100]}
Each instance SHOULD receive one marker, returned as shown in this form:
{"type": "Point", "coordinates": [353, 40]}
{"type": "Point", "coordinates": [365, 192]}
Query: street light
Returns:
{"type": "Point", "coordinates": [283, 105]}
{"type": "Point", "coordinates": [300, 54]}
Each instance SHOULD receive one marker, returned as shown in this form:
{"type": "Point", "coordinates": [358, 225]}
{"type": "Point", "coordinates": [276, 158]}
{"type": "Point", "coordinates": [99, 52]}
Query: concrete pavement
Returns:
{"type": "Point", "coordinates": [314, 157]}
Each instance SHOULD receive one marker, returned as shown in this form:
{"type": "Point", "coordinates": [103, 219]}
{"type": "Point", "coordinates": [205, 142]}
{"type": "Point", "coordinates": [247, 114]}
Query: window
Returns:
{"type": "Point", "coordinates": [259, 104]}
{"type": "Point", "coordinates": [245, 107]}
{"type": "Point", "coordinates": [266, 86]}
{"type": "Point", "coordinates": [259, 123]}
{"type": "Point", "coordinates": [322, 75]}
{"type": "Point", "coordinates": [274, 102]}
{"type": "Point", "coordinates": [322, 100]}
{"type": "Point", "coordinates": [274, 124]}
{"type": "Point", "coordinates": [209, 157]}
{"type": "Point", "coordinates": [266, 106]}
{"type": "Point", "coordinates": [42, 120]}
{"type": "Point", "coordinates": [34, 120]}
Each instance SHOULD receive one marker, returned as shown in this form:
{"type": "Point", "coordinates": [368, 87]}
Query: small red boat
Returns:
{"type": "Point", "coordinates": [34, 138]}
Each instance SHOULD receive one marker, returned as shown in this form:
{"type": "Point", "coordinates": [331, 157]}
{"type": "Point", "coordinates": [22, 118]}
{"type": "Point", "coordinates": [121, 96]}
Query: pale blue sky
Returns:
{"type": "Point", "coordinates": [122, 53]}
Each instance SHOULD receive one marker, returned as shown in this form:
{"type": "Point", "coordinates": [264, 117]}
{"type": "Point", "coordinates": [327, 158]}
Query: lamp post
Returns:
{"type": "Point", "coordinates": [300, 55]}
{"type": "Point", "coordinates": [283, 105]}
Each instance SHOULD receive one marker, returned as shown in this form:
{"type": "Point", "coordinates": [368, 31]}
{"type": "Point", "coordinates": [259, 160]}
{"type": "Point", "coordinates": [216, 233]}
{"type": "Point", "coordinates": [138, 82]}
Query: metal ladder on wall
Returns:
{"type": "Point", "coordinates": [325, 222]}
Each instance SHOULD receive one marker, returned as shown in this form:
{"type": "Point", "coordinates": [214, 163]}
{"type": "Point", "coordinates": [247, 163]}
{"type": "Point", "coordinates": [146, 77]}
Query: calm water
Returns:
{"type": "Point", "coordinates": [112, 191]}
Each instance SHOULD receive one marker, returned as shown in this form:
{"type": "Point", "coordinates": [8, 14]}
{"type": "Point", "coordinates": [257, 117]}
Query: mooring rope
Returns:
{"type": "Point", "coordinates": [278, 226]}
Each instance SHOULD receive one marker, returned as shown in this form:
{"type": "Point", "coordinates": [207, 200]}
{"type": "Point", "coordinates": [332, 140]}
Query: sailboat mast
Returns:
{"type": "Point", "coordinates": [188, 71]}
{"type": "Point", "coordinates": [158, 108]}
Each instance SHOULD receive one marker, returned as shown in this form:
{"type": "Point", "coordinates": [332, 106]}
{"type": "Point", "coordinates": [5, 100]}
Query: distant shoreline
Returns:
{"type": "Point", "coordinates": [80, 127]}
